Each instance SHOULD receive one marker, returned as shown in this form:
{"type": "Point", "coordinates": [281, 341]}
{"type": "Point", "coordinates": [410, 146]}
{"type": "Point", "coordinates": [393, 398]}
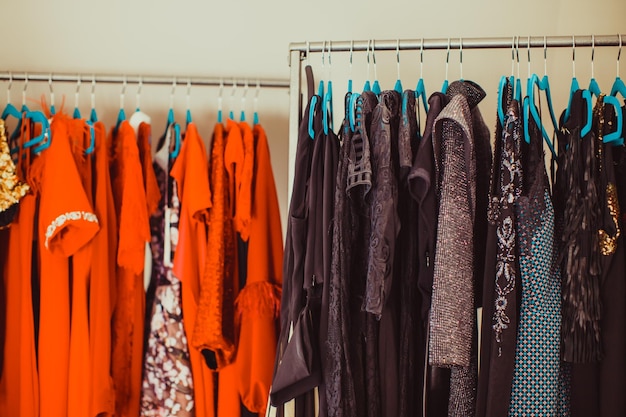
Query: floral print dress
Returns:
{"type": "Point", "coordinates": [167, 387]}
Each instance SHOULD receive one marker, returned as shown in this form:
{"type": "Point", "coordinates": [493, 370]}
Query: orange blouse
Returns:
{"type": "Point", "coordinates": [191, 174]}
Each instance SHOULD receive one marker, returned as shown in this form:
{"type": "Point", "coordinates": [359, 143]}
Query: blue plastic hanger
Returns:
{"type": "Point", "coordinates": [121, 115]}
{"type": "Point", "coordinates": [367, 86]}
{"type": "Point", "coordinates": [188, 112]}
{"type": "Point", "coordinates": [231, 112]}
{"type": "Point", "coordinates": [587, 97]}
{"type": "Point", "coordinates": [170, 121]}
{"type": "Point", "coordinates": [242, 114]}
{"type": "Point", "coordinates": [594, 88]}
{"type": "Point", "coordinates": [255, 120]}
{"type": "Point", "coordinates": [92, 136]}
{"type": "Point", "coordinates": [420, 89]}
{"type": "Point", "coordinates": [352, 112]}
{"type": "Point", "coordinates": [444, 87]}
{"type": "Point", "coordinates": [376, 85]}
{"type": "Point", "coordinates": [398, 85]}
{"type": "Point", "coordinates": [327, 102]}
{"type": "Point", "coordinates": [618, 84]}
{"type": "Point", "coordinates": [10, 109]}
{"type": "Point", "coordinates": [76, 114]}
{"type": "Point", "coordinates": [17, 131]}
{"type": "Point", "coordinates": [615, 137]}
{"type": "Point", "coordinates": [220, 117]}
{"type": "Point", "coordinates": [93, 116]}
{"type": "Point", "coordinates": [43, 139]}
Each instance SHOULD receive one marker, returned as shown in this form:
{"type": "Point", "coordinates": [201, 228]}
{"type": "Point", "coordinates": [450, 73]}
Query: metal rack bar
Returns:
{"type": "Point", "coordinates": [468, 43]}
{"type": "Point", "coordinates": [148, 79]}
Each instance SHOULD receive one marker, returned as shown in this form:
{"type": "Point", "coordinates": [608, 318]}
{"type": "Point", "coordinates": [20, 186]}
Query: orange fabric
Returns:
{"type": "Point", "coordinates": [134, 232]}
{"type": "Point", "coordinates": [228, 401]}
{"type": "Point", "coordinates": [215, 328]}
{"type": "Point", "coordinates": [66, 223]}
{"type": "Point", "coordinates": [79, 390]}
{"type": "Point", "coordinates": [191, 174]}
{"type": "Point", "coordinates": [258, 303]}
{"type": "Point", "coordinates": [102, 275]}
{"type": "Point", "coordinates": [151, 185]}
{"type": "Point", "coordinates": [19, 384]}
{"type": "Point", "coordinates": [244, 197]}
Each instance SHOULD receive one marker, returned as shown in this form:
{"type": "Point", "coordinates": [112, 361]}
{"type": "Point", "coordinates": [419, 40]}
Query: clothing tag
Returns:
{"type": "Point", "coordinates": [167, 244]}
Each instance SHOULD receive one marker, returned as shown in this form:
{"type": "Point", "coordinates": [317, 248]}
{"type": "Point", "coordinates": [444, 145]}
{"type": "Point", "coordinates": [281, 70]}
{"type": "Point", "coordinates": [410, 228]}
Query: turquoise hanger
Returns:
{"type": "Point", "coordinates": [398, 85]}
{"type": "Point", "coordinates": [420, 89]}
{"type": "Point", "coordinates": [367, 86]}
{"type": "Point", "coordinates": [618, 84]}
{"type": "Point", "coordinates": [594, 88]}
{"type": "Point", "coordinates": [444, 87]}
{"type": "Point", "coordinates": [170, 122]}
{"type": "Point", "coordinates": [52, 109]}
{"type": "Point", "coordinates": [256, 103]}
{"type": "Point", "coordinates": [231, 113]}
{"type": "Point", "coordinates": [10, 109]}
{"type": "Point", "coordinates": [573, 88]}
{"type": "Point", "coordinates": [43, 139]}
{"type": "Point", "coordinates": [517, 90]}
{"type": "Point", "coordinates": [220, 118]}
{"type": "Point", "coordinates": [242, 114]}
{"type": "Point", "coordinates": [502, 85]}
{"type": "Point", "coordinates": [76, 114]}
{"type": "Point", "coordinates": [615, 137]}
{"type": "Point", "coordinates": [121, 115]}
{"type": "Point", "coordinates": [93, 116]}
{"type": "Point", "coordinates": [355, 122]}
{"type": "Point", "coordinates": [17, 131]}
{"type": "Point", "coordinates": [188, 112]}
{"type": "Point", "coordinates": [376, 85]}
{"type": "Point", "coordinates": [327, 102]}
{"type": "Point", "coordinates": [542, 85]}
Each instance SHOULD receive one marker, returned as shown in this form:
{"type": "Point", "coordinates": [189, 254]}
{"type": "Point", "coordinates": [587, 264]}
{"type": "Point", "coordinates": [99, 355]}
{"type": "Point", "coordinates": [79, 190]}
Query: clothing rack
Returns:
{"type": "Point", "coordinates": [298, 52]}
{"type": "Point", "coordinates": [136, 79]}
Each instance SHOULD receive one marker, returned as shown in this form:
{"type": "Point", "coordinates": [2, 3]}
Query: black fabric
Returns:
{"type": "Point", "coordinates": [422, 185]}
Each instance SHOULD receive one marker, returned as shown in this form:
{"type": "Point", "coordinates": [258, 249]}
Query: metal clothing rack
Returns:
{"type": "Point", "coordinates": [135, 79]}
{"type": "Point", "coordinates": [298, 52]}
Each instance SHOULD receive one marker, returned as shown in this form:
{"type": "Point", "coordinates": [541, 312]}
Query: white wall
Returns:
{"type": "Point", "coordinates": [251, 39]}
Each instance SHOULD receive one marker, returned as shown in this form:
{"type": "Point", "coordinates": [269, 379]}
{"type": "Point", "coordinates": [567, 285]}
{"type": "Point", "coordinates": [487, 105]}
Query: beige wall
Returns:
{"type": "Point", "coordinates": [251, 39]}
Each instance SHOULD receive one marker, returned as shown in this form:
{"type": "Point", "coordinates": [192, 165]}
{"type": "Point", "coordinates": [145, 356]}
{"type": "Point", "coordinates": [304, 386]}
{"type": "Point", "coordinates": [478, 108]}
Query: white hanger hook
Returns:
{"type": "Point", "coordinates": [593, 52]}
{"type": "Point", "coordinates": [528, 55]}
{"type": "Point", "coordinates": [172, 93]}
{"type": "Point", "coordinates": [122, 95]}
{"type": "Point", "coordinates": [517, 54]}
{"type": "Point", "coordinates": [374, 59]}
{"type": "Point", "coordinates": [138, 95]}
{"type": "Point", "coordinates": [330, 64]}
{"type": "Point", "coordinates": [351, 51]}
{"type": "Point", "coordinates": [188, 93]}
{"type": "Point", "coordinates": [422, 58]}
{"type": "Point", "coordinates": [9, 87]}
{"type": "Point", "coordinates": [93, 91]}
{"type": "Point", "coordinates": [78, 82]}
{"type": "Point", "coordinates": [545, 55]}
{"type": "Point", "coordinates": [256, 95]}
{"type": "Point", "coordinates": [243, 96]}
{"type": "Point", "coordinates": [24, 89]}
{"type": "Point", "coordinates": [619, 53]}
{"type": "Point", "coordinates": [447, 57]}
{"type": "Point", "coordinates": [398, 57]}
{"type": "Point", "coordinates": [513, 55]}
{"type": "Point", "coordinates": [220, 95]}
{"type": "Point", "coordinates": [51, 91]}
{"type": "Point", "coordinates": [368, 58]}
{"type": "Point", "coordinates": [573, 56]}
{"type": "Point", "coordinates": [461, 57]}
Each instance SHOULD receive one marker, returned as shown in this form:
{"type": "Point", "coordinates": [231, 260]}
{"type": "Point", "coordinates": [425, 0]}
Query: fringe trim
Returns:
{"type": "Point", "coordinates": [259, 298]}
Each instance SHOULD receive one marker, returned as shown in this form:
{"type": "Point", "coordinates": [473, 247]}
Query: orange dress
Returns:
{"type": "Point", "coordinates": [133, 231]}
{"type": "Point", "coordinates": [102, 275]}
{"type": "Point", "coordinates": [191, 174]}
{"type": "Point", "coordinates": [19, 384]}
{"type": "Point", "coordinates": [258, 303]}
{"type": "Point", "coordinates": [66, 223]}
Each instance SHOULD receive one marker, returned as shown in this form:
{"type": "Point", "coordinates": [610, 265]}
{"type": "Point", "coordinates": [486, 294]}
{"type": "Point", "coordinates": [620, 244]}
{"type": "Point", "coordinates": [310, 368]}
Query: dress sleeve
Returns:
{"type": "Point", "coordinates": [67, 220]}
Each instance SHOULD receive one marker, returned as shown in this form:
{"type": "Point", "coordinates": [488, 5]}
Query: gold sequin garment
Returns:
{"type": "Point", "coordinates": [11, 188]}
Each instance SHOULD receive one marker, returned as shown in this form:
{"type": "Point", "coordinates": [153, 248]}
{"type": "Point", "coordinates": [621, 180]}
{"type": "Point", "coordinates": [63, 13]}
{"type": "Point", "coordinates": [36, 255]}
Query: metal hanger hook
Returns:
{"type": "Point", "coordinates": [188, 92]}
{"type": "Point", "coordinates": [513, 55]}
{"type": "Point", "coordinates": [51, 91]}
{"type": "Point", "coordinates": [461, 57]}
{"type": "Point", "coordinates": [398, 57]}
{"type": "Point", "coordinates": [138, 95]}
{"type": "Point", "coordinates": [528, 54]}
{"type": "Point", "coordinates": [124, 83]}
{"type": "Point", "coordinates": [9, 87]}
{"type": "Point", "coordinates": [323, 53]}
{"type": "Point", "coordinates": [517, 53]}
{"type": "Point", "coordinates": [573, 56]}
{"type": "Point", "coordinates": [330, 64]}
{"type": "Point", "coordinates": [447, 58]}
{"type": "Point", "coordinates": [172, 93]}
{"type": "Point", "coordinates": [593, 52]}
{"type": "Point", "coordinates": [422, 58]}
{"type": "Point", "coordinates": [24, 89]}
{"type": "Point", "coordinates": [545, 55]}
{"type": "Point", "coordinates": [619, 53]}
{"type": "Point", "coordinates": [351, 51]}
{"type": "Point", "coordinates": [78, 82]}
{"type": "Point", "coordinates": [93, 91]}
{"type": "Point", "coordinates": [374, 58]}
